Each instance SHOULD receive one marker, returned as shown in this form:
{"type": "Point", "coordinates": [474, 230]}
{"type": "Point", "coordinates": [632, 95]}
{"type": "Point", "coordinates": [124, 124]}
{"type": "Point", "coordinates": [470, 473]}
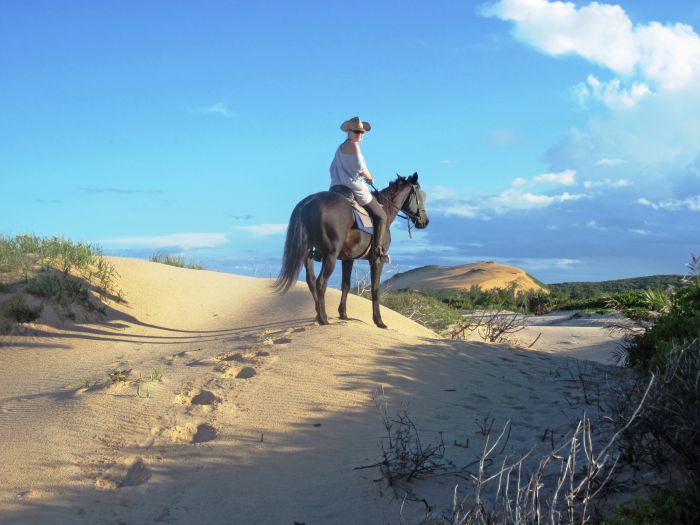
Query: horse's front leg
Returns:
{"type": "Point", "coordinates": [326, 270]}
{"type": "Point", "coordinates": [347, 273]}
{"type": "Point", "coordinates": [376, 266]}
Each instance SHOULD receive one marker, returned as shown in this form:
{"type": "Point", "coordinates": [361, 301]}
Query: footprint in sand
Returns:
{"type": "Point", "coordinates": [137, 474]}
{"type": "Point", "coordinates": [281, 341]}
{"type": "Point", "coordinates": [246, 373]}
{"type": "Point", "coordinates": [205, 397]}
{"type": "Point", "coordinates": [130, 472]}
{"type": "Point", "coordinates": [205, 432]}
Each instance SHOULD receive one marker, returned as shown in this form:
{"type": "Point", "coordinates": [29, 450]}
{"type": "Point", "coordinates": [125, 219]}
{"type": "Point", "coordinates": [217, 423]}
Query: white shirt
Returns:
{"type": "Point", "coordinates": [345, 170]}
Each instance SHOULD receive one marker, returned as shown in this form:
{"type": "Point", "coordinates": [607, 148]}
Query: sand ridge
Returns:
{"type": "Point", "coordinates": [485, 274]}
{"type": "Point", "coordinates": [260, 416]}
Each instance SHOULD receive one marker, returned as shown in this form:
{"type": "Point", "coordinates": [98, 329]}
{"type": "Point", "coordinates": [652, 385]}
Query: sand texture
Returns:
{"type": "Point", "coordinates": [207, 398]}
{"type": "Point", "coordinates": [486, 275]}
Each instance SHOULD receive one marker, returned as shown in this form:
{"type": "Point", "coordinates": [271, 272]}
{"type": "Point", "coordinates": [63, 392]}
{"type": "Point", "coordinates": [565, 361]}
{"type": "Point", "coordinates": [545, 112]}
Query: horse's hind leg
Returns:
{"type": "Point", "coordinates": [326, 270]}
{"type": "Point", "coordinates": [311, 282]}
{"type": "Point", "coordinates": [347, 273]}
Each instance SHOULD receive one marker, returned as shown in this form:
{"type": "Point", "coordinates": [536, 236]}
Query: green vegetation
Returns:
{"type": "Point", "coordinates": [680, 324]}
{"type": "Point", "coordinates": [25, 256]}
{"type": "Point", "coordinates": [424, 309]}
{"type": "Point", "coordinates": [175, 260]}
{"type": "Point", "coordinates": [665, 434]}
{"type": "Point", "coordinates": [588, 290]}
{"type": "Point", "coordinates": [16, 309]}
{"type": "Point", "coordinates": [676, 506]}
{"type": "Point", "coordinates": [54, 270]}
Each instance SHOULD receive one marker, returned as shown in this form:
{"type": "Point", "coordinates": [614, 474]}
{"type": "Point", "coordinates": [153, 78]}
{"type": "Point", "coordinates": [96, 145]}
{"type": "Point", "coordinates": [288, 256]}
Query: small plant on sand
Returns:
{"type": "Point", "coordinates": [492, 326]}
{"type": "Point", "coordinates": [146, 394]}
{"type": "Point", "coordinates": [405, 457]}
{"type": "Point", "coordinates": [175, 260]}
{"type": "Point", "coordinates": [156, 375]}
{"type": "Point", "coordinates": [89, 384]}
{"type": "Point", "coordinates": [118, 375]}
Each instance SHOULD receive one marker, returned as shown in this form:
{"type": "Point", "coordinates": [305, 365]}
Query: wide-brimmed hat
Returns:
{"type": "Point", "coordinates": [355, 124]}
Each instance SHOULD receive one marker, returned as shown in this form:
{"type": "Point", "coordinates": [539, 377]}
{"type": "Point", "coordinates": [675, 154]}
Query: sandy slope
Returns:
{"type": "Point", "coordinates": [485, 274]}
{"type": "Point", "coordinates": [261, 415]}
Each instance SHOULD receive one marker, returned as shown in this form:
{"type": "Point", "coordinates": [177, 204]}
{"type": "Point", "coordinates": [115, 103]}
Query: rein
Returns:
{"type": "Point", "coordinates": [406, 215]}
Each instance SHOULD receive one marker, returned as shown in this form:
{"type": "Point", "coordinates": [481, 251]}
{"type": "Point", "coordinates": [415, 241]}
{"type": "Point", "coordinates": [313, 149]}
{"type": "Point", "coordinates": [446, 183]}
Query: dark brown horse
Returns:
{"type": "Point", "coordinates": [321, 227]}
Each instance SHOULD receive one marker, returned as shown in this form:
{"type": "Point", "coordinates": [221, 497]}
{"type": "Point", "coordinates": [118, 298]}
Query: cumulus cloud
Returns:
{"type": "Point", "coordinates": [263, 230]}
{"type": "Point", "coordinates": [182, 240]}
{"type": "Point", "coordinates": [611, 93]}
{"type": "Point", "coordinates": [668, 56]}
{"type": "Point", "coordinates": [520, 195]}
{"type": "Point", "coordinates": [565, 178]}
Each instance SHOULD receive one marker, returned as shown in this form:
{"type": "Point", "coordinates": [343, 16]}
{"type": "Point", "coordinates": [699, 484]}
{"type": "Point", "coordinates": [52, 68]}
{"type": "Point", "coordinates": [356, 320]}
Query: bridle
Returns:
{"type": "Point", "coordinates": [406, 214]}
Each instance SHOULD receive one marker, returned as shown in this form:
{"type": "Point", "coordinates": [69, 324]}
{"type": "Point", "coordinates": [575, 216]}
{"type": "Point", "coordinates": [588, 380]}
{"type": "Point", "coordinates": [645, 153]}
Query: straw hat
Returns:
{"type": "Point", "coordinates": [355, 124]}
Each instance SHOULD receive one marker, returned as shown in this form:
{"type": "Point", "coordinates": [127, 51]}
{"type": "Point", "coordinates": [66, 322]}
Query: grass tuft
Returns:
{"type": "Point", "coordinates": [175, 260]}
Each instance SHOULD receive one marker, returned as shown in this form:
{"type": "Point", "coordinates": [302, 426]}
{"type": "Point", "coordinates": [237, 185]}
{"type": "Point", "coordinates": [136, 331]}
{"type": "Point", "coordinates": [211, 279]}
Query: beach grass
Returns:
{"type": "Point", "coordinates": [175, 260]}
{"type": "Point", "coordinates": [51, 270]}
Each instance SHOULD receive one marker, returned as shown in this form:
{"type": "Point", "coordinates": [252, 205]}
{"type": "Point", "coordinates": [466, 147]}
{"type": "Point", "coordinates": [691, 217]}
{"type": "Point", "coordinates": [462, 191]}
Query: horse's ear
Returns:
{"type": "Point", "coordinates": [414, 178]}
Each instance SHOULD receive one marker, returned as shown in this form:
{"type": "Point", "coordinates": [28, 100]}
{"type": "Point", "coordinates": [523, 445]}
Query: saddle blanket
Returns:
{"type": "Point", "coordinates": [363, 221]}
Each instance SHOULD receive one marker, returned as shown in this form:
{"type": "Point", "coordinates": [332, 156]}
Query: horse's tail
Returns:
{"type": "Point", "coordinates": [295, 250]}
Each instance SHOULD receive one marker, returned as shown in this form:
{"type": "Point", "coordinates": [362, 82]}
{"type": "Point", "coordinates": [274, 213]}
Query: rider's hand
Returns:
{"type": "Point", "coordinates": [369, 178]}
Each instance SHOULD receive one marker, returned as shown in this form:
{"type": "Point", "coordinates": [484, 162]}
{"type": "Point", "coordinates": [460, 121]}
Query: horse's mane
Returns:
{"type": "Point", "coordinates": [394, 186]}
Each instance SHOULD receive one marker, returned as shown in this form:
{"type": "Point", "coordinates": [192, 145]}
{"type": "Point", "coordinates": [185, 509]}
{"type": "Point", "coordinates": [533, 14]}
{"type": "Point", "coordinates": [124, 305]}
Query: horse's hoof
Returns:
{"type": "Point", "coordinates": [381, 325]}
{"type": "Point", "coordinates": [344, 317]}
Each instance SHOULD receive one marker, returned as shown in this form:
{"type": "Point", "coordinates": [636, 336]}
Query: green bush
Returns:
{"type": "Point", "coordinates": [17, 309]}
{"type": "Point", "coordinates": [424, 309]}
{"type": "Point", "coordinates": [661, 507]}
{"type": "Point", "coordinates": [680, 324]}
{"type": "Point", "coordinates": [62, 289]}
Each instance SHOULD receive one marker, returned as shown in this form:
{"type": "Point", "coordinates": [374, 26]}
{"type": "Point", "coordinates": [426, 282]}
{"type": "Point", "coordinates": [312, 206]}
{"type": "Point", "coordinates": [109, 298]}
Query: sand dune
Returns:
{"type": "Point", "coordinates": [486, 274]}
{"type": "Point", "coordinates": [260, 416]}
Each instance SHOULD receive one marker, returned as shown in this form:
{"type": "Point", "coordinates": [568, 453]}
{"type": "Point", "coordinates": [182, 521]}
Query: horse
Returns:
{"type": "Point", "coordinates": [321, 228]}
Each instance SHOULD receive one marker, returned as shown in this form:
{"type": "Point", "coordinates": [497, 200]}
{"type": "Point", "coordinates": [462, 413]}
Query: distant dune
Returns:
{"type": "Point", "coordinates": [485, 274]}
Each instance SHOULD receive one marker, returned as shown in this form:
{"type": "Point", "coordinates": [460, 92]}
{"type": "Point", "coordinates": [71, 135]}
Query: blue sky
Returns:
{"type": "Point", "coordinates": [563, 138]}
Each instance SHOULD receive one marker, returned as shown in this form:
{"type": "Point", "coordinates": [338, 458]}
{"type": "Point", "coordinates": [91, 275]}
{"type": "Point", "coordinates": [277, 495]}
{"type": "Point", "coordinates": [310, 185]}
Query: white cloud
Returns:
{"type": "Point", "coordinates": [182, 240]}
{"type": "Point", "coordinates": [668, 56]}
{"type": "Point", "coordinates": [565, 178]}
{"type": "Point", "coordinates": [220, 108]}
{"type": "Point", "coordinates": [607, 183]}
{"type": "Point", "coordinates": [611, 93]}
{"type": "Point", "coordinates": [610, 162]}
{"type": "Point", "coordinates": [639, 232]}
{"type": "Point", "coordinates": [519, 196]}
{"type": "Point", "coordinates": [263, 230]}
{"type": "Point", "coordinates": [690, 203]}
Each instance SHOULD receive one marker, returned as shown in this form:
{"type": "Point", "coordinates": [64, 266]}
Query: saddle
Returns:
{"type": "Point", "coordinates": [363, 220]}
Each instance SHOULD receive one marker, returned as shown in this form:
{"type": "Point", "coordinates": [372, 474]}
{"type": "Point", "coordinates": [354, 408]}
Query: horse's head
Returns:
{"type": "Point", "coordinates": [414, 205]}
